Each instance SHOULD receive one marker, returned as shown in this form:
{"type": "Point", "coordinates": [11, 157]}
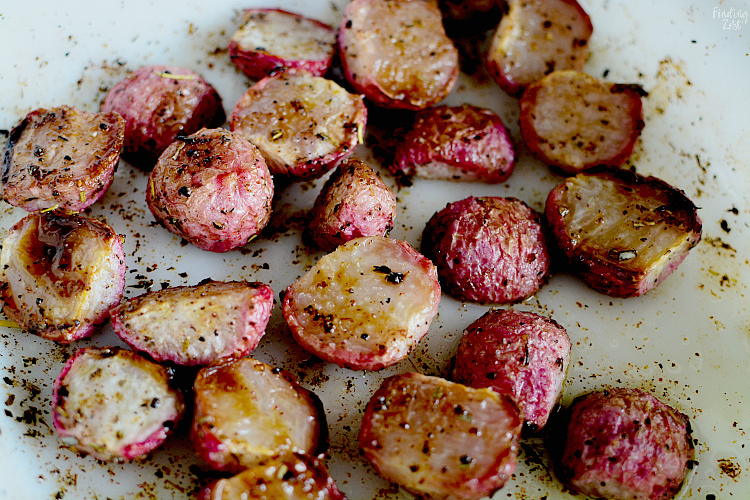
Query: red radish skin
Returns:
{"type": "Point", "coordinates": [160, 103]}
{"type": "Point", "coordinates": [461, 143]}
{"type": "Point", "coordinates": [624, 443]}
{"type": "Point", "coordinates": [212, 188]}
{"type": "Point", "coordinates": [521, 354]}
{"type": "Point", "coordinates": [353, 203]}
{"type": "Point", "coordinates": [488, 249]}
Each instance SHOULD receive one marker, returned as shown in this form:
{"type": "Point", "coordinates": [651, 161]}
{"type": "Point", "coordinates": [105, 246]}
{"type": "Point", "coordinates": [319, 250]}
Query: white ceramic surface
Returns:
{"type": "Point", "coordinates": [688, 341]}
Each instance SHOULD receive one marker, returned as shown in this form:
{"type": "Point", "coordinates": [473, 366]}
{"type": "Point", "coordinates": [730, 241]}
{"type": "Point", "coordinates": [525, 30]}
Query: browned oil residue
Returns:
{"type": "Point", "coordinates": [671, 85]}
{"type": "Point", "coordinates": [717, 243]}
{"type": "Point", "coordinates": [730, 468]}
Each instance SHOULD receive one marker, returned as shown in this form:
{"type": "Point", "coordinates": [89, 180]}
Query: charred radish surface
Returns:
{"type": "Point", "coordinates": [439, 439]}
{"type": "Point", "coordinates": [196, 325]}
{"type": "Point", "coordinates": [59, 276]}
{"type": "Point", "coordinates": [61, 160]}
{"type": "Point", "coordinates": [270, 40]}
{"type": "Point", "coordinates": [365, 305]}
{"type": "Point", "coordinates": [621, 232]}
{"type": "Point", "coordinates": [114, 404]}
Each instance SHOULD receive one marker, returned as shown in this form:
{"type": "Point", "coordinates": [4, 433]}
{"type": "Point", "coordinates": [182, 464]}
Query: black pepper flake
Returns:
{"type": "Point", "coordinates": [392, 276]}
{"type": "Point", "coordinates": [185, 191]}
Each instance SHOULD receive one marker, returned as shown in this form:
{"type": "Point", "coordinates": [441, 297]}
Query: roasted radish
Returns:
{"type": "Point", "coordinates": [59, 276]}
{"type": "Point", "coordinates": [354, 202]}
{"type": "Point", "coordinates": [365, 305]}
{"type": "Point", "coordinates": [535, 38]}
{"type": "Point", "coordinates": [247, 412]}
{"type": "Point", "coordinates": [160, 103]}
{"type": "Point", "coordinates": [573, 121]}
{"type": "Point", "coordinates": [61, 160]}
{"type": "Point", "coordinates": [114, 404]}
{"type": "Point", "coordinates": [212, 188]}
{"type": "Point", "coordinates": [462, 143]}
{"type": "Point", "coordinates": [396, 52]}
{"type": "Point", "coordinates": [621, 232]}
{"type": "Point", "coordinates": [196, 325]}
{"type": "Point", "coordinates": [439, 439]}
{"type": "Point", "coordinates": [289, 477]}
{"type": "Point", "coordinates": [520, 354]}
{"type": "Point", "coordinates": [270, 40]}
{"type": "Point", "coordinates": [488, 250]}
{"type": "Point", "coordinates": [304, 125]}
{"type": "Point", "coordinates": [623, 444]}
